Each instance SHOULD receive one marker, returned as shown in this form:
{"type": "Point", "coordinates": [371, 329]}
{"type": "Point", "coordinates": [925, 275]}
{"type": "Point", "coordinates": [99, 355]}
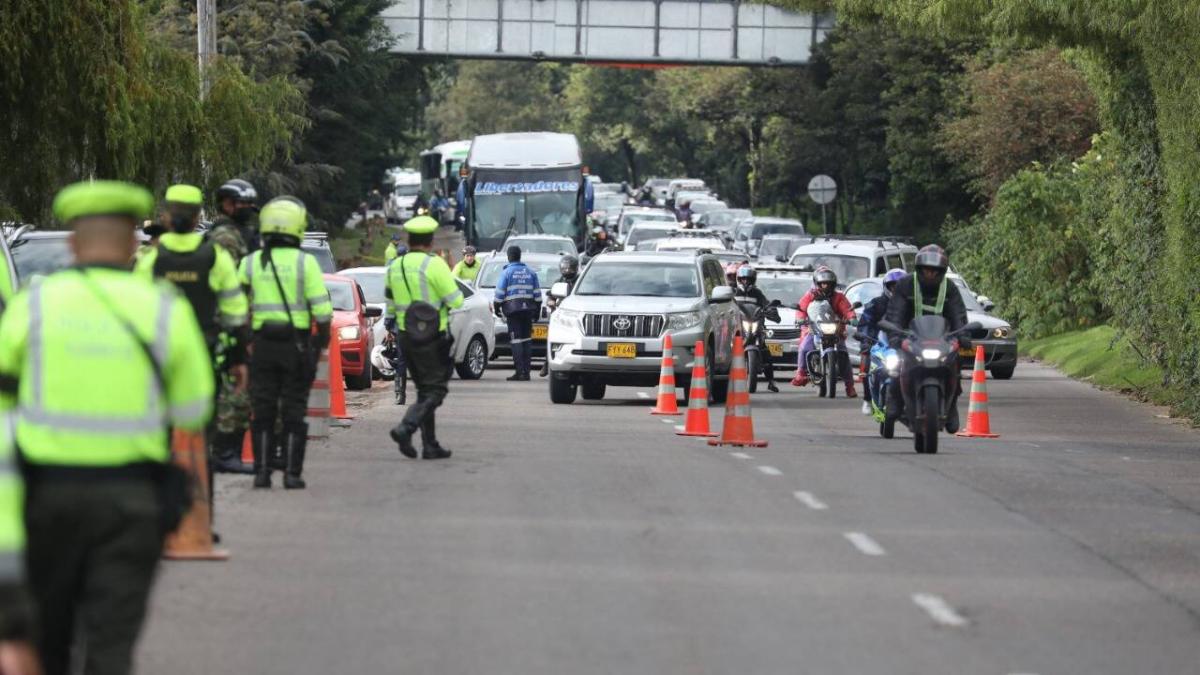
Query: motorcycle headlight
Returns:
{"type": "Point", "coordinates": [567, 318]}
{"type": "Point", "coordinates": [683, 320]}
{"type": "Point", "coordinates": [827, 327]}
{"type": "Point", "coordinates": [1002, 332]}
{"type": "Point", "coordinates": [747, 327]}
{"type": "Point", "coordinates": [931, 354]}
{"type": "Point", "coordinates": [891, 361]}
{"type": "Point", "coordinates": [348, 333]}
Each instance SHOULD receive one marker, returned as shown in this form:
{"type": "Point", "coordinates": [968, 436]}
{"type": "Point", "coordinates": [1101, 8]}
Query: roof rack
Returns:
{"type": "Point", "coordinates": [895, 240]}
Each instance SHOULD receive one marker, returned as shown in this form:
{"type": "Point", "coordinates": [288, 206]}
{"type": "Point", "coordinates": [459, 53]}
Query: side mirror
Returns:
{"type": "Point", "coordinates": [560, 290]}
{"type": "Point", "coordinates": [856, 305]}
{"type": "Point", "coordinates": [986, 303]}
{"type": "Point", "coordinates": [776, 303]}
{"type": "Point", "coordinates": [721, 294]}
{"type": "Point", "coordinates": [374, 312]}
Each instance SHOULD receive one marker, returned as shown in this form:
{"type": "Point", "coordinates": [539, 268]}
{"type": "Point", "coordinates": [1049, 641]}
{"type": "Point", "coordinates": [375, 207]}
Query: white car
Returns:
{"type": "Point", "coordinates": [471, 325]}
{"type": "Point", "coordinates": [641, 233]}
{"type": "Point", "coordinates": [787, 285]}
{"type": "Point", "coordinates": [853, 259]}
{"type": "Point", "coordinates": [541, 243]}
{"type": "Point", "coordinates": [632, 215]}
{"type": "Point", "coordinates": [690, 243]}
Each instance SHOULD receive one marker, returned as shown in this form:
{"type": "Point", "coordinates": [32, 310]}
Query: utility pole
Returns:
{"type": "Point", "coordinates": [206, 40]}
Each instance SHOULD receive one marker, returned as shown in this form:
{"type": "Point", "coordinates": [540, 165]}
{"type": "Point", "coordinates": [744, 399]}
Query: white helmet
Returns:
{"type": "Point", "coordinates": [382, 363]}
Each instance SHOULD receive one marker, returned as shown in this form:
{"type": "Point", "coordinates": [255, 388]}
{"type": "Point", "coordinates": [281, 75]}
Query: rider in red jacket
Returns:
{"type": "Point", "coordinates": [824, 288]}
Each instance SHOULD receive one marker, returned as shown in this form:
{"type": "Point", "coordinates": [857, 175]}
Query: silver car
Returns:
{"type": "Point", "coordinates": [470, 325]}
{"type": "Point", "coordinates": [610, 329]}
{"type": "Point", "coordinates": [541, 243]}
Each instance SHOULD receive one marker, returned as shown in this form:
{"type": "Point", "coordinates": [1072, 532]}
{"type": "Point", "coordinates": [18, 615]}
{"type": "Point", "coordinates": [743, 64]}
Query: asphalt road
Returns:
{"type": "Point", "coordinates": [591, 539]}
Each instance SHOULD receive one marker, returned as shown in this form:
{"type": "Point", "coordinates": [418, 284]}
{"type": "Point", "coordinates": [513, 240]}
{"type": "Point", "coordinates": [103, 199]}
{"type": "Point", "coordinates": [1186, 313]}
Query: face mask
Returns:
{"type": "Point", "coordinates": [243, 214]}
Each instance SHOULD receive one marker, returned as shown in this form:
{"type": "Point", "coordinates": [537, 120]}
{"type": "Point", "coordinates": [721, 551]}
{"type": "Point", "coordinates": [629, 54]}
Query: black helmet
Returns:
{"type": "Point", "coordinates": [568, 266]}
{"type": "Point", "coordinates": [237, 190]}
{"type": "Point", "coordinates": [748, 274]}
{"type": "Point", "coordinates": [933, 256]}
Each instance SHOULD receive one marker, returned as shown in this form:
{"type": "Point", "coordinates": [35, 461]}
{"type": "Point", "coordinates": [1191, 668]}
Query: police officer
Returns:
{"type": "Point", "coordinates": [393, 248]}
{"type": "Point", "coordinates": [518, 297]}
{"type": "Point", "coordinates": [154, 230]}
{"type": "Point", "coordinates": [568, 269]}
{"type": "Point", "coordinates": [418, 281]}
{"type": "Point", "coordinates": [206, 275]}
{"type": "Point", "coordinates": [16, 607]}
{"type": "Point", "coordinates": [288, 296]}
{"type": "Point", "coordinates": [97, 362]}
{"type": "Point", "coordinates": [467, 268]}
{"type": "Point", "coordinates": [234, 227]}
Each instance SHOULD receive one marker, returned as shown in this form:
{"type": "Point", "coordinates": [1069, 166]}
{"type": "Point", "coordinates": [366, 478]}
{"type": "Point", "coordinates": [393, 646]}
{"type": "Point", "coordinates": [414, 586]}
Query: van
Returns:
{"type": "Point", "coordinates": [853, 258]}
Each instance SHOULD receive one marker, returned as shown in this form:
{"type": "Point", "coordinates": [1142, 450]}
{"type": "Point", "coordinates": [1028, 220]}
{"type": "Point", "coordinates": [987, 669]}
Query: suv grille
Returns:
{"type": "Point", "coordinates": [623, 325]}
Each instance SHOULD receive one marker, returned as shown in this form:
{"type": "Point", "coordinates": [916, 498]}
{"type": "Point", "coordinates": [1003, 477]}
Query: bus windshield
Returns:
{"type": "Point", "coordinates": [539, 213]}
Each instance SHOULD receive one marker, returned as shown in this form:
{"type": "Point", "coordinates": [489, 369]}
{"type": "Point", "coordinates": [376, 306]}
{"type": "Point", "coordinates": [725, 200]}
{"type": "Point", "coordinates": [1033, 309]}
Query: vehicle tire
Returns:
{"type": "Point", "coordinates": [919, 443]}
{"type": "Point", "coordinates": [752, 366]}
{"type": "Point", "coordinates": [475, 360]}
{"type": "Point", "coordinates": [593, 391]}
{"type": "Point", "coordinates": [718, 390]}
{"type": "Point", "coordinates": [360, 381]}
{"type": "Point", "coordinates": [1002, 372]}
{"type": "Point", "coordinates": [932, 405]}
{"type": "Point", "coordinates": [831, 374]}
{"type": "Point", "coordinates": [887, 428]}
{"type": "Point", "coordinates": [562, 391]}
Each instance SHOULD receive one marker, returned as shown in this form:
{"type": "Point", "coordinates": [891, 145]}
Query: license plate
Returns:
{"type": "Point", "coordinates": [967, 351]}
{"type": "Point", "coordinates": [775, 348]}
{"type": "Point", "coordinates": [622, 350]}
{"type": "Point", "coordinates": [540, 331]}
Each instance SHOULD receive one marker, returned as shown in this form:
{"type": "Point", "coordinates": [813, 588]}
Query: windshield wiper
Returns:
{"type": "Point", "coordinates": [538, 225]}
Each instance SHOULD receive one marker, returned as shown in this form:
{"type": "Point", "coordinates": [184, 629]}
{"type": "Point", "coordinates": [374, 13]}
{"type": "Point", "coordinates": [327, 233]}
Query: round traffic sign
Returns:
{"type": "Point", "coordinates": [822, 189]}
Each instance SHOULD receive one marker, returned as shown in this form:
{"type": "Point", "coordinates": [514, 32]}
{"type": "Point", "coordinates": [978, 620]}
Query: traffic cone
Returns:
{"type": "Point", "coordinates": [739, 427]}
{"type": "Point", "coordinates": [337, 382]}
{"type": "Point", "coordinates": [668, 403]}
{"type": "Point", "coordinates": [247, 448]}
{"type": "Point", "coordinates": [978, 423]}
{"type": "Point", "coordinates": [193, 539]}
{"type": "Point", "coordinates": [696, 422]}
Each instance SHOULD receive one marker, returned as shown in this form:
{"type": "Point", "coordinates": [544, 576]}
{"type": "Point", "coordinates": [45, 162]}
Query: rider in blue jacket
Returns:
{"type": "Point", "coordinates": [519, 296]}
{"type": "Point", "coordinates": [868, 326]}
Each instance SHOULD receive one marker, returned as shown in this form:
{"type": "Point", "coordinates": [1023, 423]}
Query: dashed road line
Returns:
{"type": "Point", "coordinates": [865, 544]}
{"type": "Point", "coordinates": [770, 470]}
{"type": "Point", "coordinates": [939, 610]}
{"type": "Point", "coordinates": [666, 421]}
{"type": "Point", "coordinates": [740, 455]}
{"type": "Point", "coordinates": [642, 394]}
{"type": "Point", "coordinates": [810, 501]}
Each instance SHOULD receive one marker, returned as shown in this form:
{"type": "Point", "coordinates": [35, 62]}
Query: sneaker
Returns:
{"type": "Point", "coordinates": [850, 391]}
{"type": "Point", "coordinates": [800, 380]}
{"type": "Point", "coordinates": [515, 377]}
{"type": "Point", "coordinates": [866, 409]}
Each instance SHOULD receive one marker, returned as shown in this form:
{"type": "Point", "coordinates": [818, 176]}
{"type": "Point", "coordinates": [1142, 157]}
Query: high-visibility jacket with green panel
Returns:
{"type": "Point", "coordinates": [86, 394]}
{"type": "Point", "coordinates": [431, 281]}
{"type": "Point", "coordinates": [16, 615]}
{"type": "Point", "coordinates": [390, 253]}
{"type": "Point", "coordinates": [301, 280]}
{"type": "Point", "coordinates": [467, 272]}
{"type": "Point", "coordinates": [233, 310]}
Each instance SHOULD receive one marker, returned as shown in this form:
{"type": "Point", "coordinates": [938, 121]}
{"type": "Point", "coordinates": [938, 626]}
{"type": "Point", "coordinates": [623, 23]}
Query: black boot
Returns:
{"type": "Point", "coordinates": [402, 434]}
{"type": "Point", "coordinates": [952, 421]}
{"type": "Point", "coordinates": [227, 454]}
{"type": "Point", "coordinates": [262, 440]}
{"type": "Point", "coordinates": [295, 446]}
{"type": "Point", "coordinates": [545, 367]}
{"type": "Point", "coordinates": [430, 448]}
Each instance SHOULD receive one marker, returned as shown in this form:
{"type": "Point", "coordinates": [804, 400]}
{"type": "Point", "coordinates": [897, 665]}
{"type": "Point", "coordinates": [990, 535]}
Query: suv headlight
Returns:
{"type": "Point", "coordinates": [566, 318]}
{"type": "Point", "coordinates": [1002, 332]}
{"type": "Point", "coordinates": [684, 320]}
{"type": "Point", "coordinates": [349, 333]}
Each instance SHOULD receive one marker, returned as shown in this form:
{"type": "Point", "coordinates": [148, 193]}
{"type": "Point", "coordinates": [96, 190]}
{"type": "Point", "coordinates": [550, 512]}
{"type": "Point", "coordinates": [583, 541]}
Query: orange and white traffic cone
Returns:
{"type": "Point", "coordinates": [193, 539]}
{"type": "Point", "coordinates": [668, 400]}
{"type": "Point", "coordinates": [337, 383]}
{"type": "Point", "coordinates": [978, 422]}
{"type": "Point", "coordinates": [739, 427]}
{"type": "Point", "coordinates": [696, 422]}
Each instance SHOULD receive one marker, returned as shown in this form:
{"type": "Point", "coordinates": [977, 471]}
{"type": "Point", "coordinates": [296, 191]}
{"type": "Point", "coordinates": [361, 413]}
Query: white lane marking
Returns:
{"type": "Point", "coordinates": [939, 610]}
{"type": "Point", "coordinates": [810, 501]}
{"type": "Point", "coordinates": [770, 470]}
{"type": "Point", "coordinates": [740, 455]}
{"type": "Point", "coordinates": [864, 544]}
{"type": "Point", "coordinates": [665, 421]}
{"type": "Point", "coordinates": [642, 394]}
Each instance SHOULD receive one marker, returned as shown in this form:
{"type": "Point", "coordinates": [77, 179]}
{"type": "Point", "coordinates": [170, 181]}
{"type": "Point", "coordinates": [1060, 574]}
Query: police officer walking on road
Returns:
{"type": "Point", "coordinates": [420, 292]}
{"type": "Point", "coordinates": [207, 276]}
{"type": "Point", "coordinates": [519, 298]}
{"type": "Point", "coordinates": [288, 297]}
{"type": "Point", "coordinates": [97, 363]}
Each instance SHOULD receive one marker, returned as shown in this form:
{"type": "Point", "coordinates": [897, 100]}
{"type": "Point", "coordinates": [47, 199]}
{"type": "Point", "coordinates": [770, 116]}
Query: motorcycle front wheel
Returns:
{"type": "Point", "coordinates": [831, 373]}
{"type": "Point", "coordinates": [752, 365]}
{"type": "Point", "coordinates": [932, 409]}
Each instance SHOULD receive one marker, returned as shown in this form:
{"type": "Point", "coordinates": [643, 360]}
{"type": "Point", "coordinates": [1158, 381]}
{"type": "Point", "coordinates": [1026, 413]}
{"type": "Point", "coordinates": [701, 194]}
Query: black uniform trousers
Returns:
{"type": "Point", "coordinates": [520, 332]}
{"type": "Point", "coordinates": [93, 547]}
{"type": "Point", "coordinates": [429, 369]}
{"type": "Point", "coordinates": [280, 376]}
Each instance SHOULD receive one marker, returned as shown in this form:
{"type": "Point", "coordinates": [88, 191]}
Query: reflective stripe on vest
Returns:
{"type": "Point", "coordinates": [919, 302]}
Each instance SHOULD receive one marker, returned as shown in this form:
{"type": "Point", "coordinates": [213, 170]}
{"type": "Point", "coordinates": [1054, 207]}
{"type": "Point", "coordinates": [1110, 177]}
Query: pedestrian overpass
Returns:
{"type": "Point", "coordinates": [643, 32]}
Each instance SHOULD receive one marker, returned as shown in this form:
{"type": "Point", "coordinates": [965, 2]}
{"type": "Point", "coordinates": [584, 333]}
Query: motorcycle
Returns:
{"type": "Point", "coordinates": [883, 366]}
{"type": "Point", "coordinates": [826, 363]}
{"type": "Point", "coordinates": [754, 333]}
{"type": "Point", "coordinates": [929, 379]}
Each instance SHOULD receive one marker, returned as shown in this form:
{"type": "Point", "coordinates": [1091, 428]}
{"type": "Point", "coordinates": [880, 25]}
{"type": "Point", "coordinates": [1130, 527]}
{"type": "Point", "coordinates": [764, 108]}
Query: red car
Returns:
{"type": "Point", "coordinates": [350, 321]}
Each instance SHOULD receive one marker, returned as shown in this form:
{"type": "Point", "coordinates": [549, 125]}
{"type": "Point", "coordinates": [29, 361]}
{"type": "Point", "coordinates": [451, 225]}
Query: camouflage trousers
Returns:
{"type": "Point", "coordinates": [232, 418]}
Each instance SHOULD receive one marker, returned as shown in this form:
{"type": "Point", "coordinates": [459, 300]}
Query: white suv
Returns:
{"type": "Point", "coordinates": [853, 258]}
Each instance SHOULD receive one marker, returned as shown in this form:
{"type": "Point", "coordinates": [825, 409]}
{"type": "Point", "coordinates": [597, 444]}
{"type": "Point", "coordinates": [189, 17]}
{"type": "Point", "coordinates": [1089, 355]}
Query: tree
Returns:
{"type": "Point", "coordinates": [487, 97]}
{"type": "Point", "coordinates": [606, 109]}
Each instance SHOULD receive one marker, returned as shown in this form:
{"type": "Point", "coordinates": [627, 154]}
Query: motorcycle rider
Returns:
{"type": "Point", "coordinates": [868, 326]}
{"type": "Point", "coordinates": [684, 213]}
{"type": "Point", "coordinates": [598, 242]}
{"type": "Point", "coordinates": [824, 288]}
{"type": "Point", "coordinates": [234, 229]}
{"type": "Point", "coordinates": [568, 267]}
{"type": "Point", "coordinates": [747, 290]}
{"type": "Point", "coordinates": [928, 292]}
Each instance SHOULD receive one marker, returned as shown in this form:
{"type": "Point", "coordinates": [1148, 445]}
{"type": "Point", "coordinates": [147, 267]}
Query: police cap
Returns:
{"type": "Point", "coordinates": [103, 198]}
{"type": "Point", "coordinates": [421, 225]}
{"type": "Point", "coordinates": [185, 194]}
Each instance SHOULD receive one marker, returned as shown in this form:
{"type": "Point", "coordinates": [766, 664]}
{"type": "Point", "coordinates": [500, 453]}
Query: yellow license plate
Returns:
{"type": "Point", "coordinates": [775, 348]}
{"type": "Point", "coordinates": [622, 350]}
{"type": "Point", "coordinates": [967, 351]}
{"type": "Point", "coordinates": [540, 331]}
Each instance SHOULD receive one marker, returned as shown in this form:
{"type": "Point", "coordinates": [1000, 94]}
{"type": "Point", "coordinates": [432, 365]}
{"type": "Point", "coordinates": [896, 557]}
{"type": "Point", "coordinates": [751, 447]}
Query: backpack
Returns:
{"type": "Point", "coordinates": [422, 321]}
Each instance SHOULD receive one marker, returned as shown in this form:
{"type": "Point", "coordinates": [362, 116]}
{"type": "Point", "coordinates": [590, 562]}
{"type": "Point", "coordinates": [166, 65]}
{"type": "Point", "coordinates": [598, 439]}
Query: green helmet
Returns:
{"type": "Point", "coordinates": [283, 215]}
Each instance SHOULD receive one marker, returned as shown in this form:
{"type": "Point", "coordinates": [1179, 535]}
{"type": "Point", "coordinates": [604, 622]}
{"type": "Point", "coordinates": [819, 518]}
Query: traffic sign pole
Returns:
{"type": "Point", "coordinates": [822, 189]}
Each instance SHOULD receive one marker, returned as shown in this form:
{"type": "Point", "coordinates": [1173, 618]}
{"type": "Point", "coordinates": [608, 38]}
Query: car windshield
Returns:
{"type": "Point", "coordinates": [629, 219]}
{"type": "Point", "coordinates": [968, 297]}
{"type": "Point", "coordinates": [372, 285]}
{"type": "Point", "coordinates": [407, 190]}
{"type": "Point", "coordinates": [763, 229]}
{"type": "Point", "coordinates": [706, 206]}
{"type": "Point", "coordinates": [641, 278]}
{"type": "Point", "coordinates": [551, 246]}
{"type": "Point", "coordinates": [644, 234]}
{"type": "Point", "coordinates": [786, 289]}
{"type": "Point", "coordinates": [40, 257]}
{"type": "Point", "coordinates": [846, 267]}
{"type": "Point", "coordinates": [547, 273]}
{"type": "Point", "coordinates": [342, 295]}
{"type": "Point", "coordinates": [781, 248]}
{"type": "Point", "coordinates": [608, 201]}
{"type": "Point", "coordinates": [690, 244]}
{"type": "Point", "coordinates": [323, 255]}
{"type": "Point", "coordinates": [539, 213]}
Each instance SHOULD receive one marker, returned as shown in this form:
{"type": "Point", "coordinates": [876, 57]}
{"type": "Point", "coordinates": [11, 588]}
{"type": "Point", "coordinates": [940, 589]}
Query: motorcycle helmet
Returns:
{"type": "Point", "coordinates": [933, 259]}
{"type": "Point", "coordinates": [568, 266]}
{"type": "Point", "coordinates": [284, 216]}
{"type": "Point", "coordinates": [825, 280]}
{"type": "Point", "coordinates": [890, 279]}
{"type": "Point", "coordinates": [381, 362]}
{"type": "Point", "coordinates": [747, 275]}
{"type": "Point", "coordinates": [237, 190]}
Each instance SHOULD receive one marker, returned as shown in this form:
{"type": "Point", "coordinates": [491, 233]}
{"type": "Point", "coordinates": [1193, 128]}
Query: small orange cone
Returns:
{"type": "Point", "coordinates": [337, 383]}
{"type": "Point", "coordinates": [668, 400]}
{"type": "Point", "coordinates": [193, 539]}
{"type": "Point", "coordinates": [696, 422]}
{"type": "Point", "coordinates": [739, 427]}
{"type": "Point", "coordinates": [978, 423]}
{"type": "Point", "coordinates": [247, 448]}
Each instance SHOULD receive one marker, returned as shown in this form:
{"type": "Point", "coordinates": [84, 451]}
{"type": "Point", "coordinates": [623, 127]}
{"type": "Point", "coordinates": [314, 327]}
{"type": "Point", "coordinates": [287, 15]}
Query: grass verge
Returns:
{"type": "Point", "coordinates": [346, 245]}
